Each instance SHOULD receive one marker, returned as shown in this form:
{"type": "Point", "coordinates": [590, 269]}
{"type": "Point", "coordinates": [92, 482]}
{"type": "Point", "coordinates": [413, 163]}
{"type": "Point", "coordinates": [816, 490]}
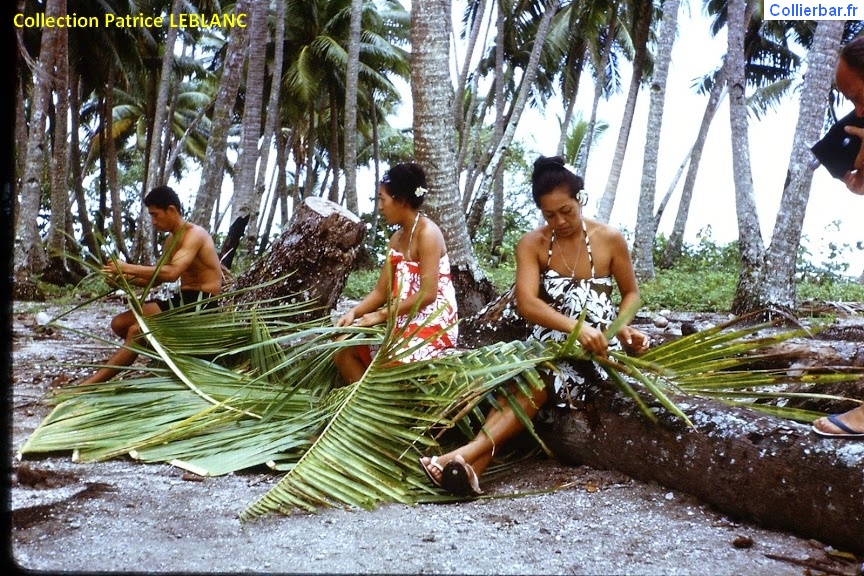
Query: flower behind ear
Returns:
{"type": "Point", "coordinates": [420, 191]}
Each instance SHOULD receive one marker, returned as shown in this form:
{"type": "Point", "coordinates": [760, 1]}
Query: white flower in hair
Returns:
{"type": "Point", "coordinates": [420, 191]}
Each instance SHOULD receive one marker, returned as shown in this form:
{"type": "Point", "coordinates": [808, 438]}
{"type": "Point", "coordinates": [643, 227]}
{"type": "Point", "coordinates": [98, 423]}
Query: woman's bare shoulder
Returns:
{"type": "Point", "coordinates": [602, 231]}
{"type": "Point", "coordinates": [541, 235]}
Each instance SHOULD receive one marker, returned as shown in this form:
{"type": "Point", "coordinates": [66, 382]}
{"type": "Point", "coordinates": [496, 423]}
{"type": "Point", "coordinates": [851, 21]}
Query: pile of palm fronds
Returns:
{"type": "Point", "coordinates": [236, 387]}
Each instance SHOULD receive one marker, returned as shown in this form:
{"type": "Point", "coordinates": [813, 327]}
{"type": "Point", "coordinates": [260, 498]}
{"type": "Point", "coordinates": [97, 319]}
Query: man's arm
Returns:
{"type": "Point", "coordinates": [183, 256]}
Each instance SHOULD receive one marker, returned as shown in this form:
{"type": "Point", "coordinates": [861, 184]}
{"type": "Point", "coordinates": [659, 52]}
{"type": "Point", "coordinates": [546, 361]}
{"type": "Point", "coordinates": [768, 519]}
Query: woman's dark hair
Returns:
{"type": "Point", "coordinates": [852, 54]}
{"type": "Point", "coordinates": [550, 173]}
{"type": "Point", "coordinates": [162, 197]}
{"type": "Point", "coordinates": [406, 182]}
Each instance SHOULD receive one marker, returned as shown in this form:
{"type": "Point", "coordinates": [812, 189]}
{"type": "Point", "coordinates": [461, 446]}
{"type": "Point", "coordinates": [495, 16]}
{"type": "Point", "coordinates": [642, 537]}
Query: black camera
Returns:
{"type": "Point", "coordinates": [837, 150]}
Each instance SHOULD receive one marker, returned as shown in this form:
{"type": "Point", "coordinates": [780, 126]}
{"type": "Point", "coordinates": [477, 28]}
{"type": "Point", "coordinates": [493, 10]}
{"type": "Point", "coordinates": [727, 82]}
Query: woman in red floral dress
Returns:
{"type": "Point", "coordinates": [416, 275]}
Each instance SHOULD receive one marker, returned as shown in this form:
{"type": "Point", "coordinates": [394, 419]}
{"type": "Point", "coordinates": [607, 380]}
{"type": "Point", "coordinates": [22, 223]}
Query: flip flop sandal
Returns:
{"type": "Point", "coordinates": [433, 463]}
{"type": "Point", "coordinates": [460, 478]}
{"type": "Point", "coordinates": [848, 432]}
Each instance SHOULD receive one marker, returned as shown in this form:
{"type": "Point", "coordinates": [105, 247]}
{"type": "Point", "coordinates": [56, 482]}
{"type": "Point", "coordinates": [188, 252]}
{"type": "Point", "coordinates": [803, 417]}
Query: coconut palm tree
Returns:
{"type": "Point", "coordinates": [775, 286]}
{"type": "Point", "coordinates": [223, 106]}
{"type": "Point", "coordinates": [646, 229]}
{"type": "Point", "coordinates": [245, 204]}
{"type": "Point", "coordinates": [30, 254]}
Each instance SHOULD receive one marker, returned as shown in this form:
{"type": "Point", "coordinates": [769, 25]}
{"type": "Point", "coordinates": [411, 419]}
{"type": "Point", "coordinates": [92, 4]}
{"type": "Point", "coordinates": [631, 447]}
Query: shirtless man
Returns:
{"type": "Point", "coordinates": [193, 259]}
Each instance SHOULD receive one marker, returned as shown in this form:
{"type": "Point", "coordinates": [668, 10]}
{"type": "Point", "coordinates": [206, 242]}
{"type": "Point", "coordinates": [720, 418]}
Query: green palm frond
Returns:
{"type": "Point", "coordinates": [240, 386]}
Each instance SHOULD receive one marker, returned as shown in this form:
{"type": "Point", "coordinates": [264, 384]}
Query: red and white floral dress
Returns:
{"type": "Point", "coordinates": [406, 281]}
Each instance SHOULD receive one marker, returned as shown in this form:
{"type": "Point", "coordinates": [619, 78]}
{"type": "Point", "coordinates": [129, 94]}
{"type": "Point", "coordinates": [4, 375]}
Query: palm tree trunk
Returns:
{"type": "Point", "coordinates": [435, 146]}
{"type": "Point", "coordinates": [646, 230]}
{"type": "Point", "coordinates": [75, 167]}
{"type": "Point", "coordinates": [498, 184]}
{"type": "Point", "coordinates": [246, 205]}
{"type": "Point", "coordinates": [29, 253]}
{"type": "Point", "coordinates": [144, 245]}
{"type": "Point", "coordinates": [56, 271]}
{"type": "Point", "coordinates": [462, 81]}
{"type": "Point", "coordinates": [777, 287]}
{"type": "Point", "coordinates": [335, 164]}
{"type": "Point", "coordinates": [223, 106]}
{"type": "Point", "coordinates": [280, 191]}
{"type": "Point", "coordinates": [599, 81]}
{"type": "Point", "coordinates": [750, 245]}
{"type": "Point", "coordinates": [376, 159]}
{"type": "Point", "coordinates": [110, 151]}
{"type": "Point", "coordinates": [490, 163]}
{"type": "Point", "coordinates": [661, 208]}
{"type": "Point", "coordinates": [641, 26]}
{"type": "Point", "coordinates": [350, 126]}
{"type": "Point", "coordinates": [573, 75]}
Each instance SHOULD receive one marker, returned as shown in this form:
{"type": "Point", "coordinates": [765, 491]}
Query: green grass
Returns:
{"type": "Point", "coordinates": [360, 283]}
{"type": "Point", "coordinates": [693, 289]}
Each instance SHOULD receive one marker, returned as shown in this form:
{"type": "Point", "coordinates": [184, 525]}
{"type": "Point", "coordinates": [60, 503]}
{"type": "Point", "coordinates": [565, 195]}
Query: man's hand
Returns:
{"type": "Point", "coordinates": [114, 268]}
{"type": "Point", "coordinates": [854, 179]}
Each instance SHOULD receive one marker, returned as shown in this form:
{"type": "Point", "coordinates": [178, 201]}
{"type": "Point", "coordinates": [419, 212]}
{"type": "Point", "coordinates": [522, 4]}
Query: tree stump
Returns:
{"type": "Point", "coordinates": [772, 471]}
{"type": "Point", "coordinates": [497, 321]}
{"type": "Point", "coordinates": [318, 249]}
{"type": "Point", "coordinates": [471, 294]}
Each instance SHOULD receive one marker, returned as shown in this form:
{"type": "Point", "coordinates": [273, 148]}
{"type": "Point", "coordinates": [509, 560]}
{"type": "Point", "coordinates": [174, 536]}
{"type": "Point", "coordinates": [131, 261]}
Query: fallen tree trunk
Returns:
{"type": "Point", "coordinates": [771, 471]}
{"type": "Point", "coordinates": [317, 251]}
{"type": "Point", "coordinates": [767, 470]}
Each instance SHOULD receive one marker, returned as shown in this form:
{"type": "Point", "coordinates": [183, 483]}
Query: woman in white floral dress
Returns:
{"type": "Point", "coordinates": [416, 274]}
{"type": "Point", "coordinates": [563, 267]}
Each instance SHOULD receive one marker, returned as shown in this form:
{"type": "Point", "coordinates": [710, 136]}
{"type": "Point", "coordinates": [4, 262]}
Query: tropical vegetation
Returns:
{"type": "Point", "coordinates": [257, 388]}
{"type": "Point", "coordinates": [295, 103]}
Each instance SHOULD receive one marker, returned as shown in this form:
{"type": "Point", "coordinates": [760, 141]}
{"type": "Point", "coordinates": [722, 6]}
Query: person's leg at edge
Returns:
{"type": "Point", "coordinates": [351, 363]}
{"type": "Point", "coordinates": [126, 327]}
{"type": "Point", "coordinates": [501, 426]}
{"type": "Point", "coordinates": [854, 419]}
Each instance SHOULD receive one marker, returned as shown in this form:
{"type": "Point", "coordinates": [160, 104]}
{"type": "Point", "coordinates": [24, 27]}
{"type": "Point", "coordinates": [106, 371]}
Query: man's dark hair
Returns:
{"type": "Point", "coordinates": [406, 182]}
{"type": "Point", "coordinates": [162, 197]}
{"type": "Point", "coordinates": [551, 173]}
{"type": "Point", "coordinates": [852, 54]}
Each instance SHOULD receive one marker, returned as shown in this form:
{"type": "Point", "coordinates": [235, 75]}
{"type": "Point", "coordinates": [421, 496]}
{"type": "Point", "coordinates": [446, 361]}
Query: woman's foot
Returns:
{"type": "Point", "coordinates": [460, 478]}
{"type": "Point", "coordinates": [847, 425]}
{"type": "Point", "coordinates": [433, 469]}
{"type": "Point", "coordinates": [451, 473]}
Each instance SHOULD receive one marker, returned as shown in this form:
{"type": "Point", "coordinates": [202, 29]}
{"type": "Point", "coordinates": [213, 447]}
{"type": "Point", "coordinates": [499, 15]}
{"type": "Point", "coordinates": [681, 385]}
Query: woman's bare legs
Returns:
{"type": "Point", "coordinates": [350, 364]}
{"type": "Point", "coordinates": [501, 426]}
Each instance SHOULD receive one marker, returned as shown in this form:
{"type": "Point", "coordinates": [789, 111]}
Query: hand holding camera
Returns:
{"type": "Point", "coordinates": [838, 150]}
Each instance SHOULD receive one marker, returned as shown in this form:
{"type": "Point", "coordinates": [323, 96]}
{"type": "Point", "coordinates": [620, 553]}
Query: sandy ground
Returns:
{"type": "Point", "coordinates": [122, 516]}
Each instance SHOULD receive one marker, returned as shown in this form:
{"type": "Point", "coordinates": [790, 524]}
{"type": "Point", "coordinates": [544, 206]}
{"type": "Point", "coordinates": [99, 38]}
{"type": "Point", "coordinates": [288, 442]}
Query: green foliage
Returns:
{"type": "Point", "coordinates": [502, 276]}
{"type": "Point", "coordinates": [705, 290]}
{"type": "Point", "coordinates": [706, 254]}
{"type": "Point", "coordinates": [360, 283]}
{"type": "Point", "coordinates": [236, 387]}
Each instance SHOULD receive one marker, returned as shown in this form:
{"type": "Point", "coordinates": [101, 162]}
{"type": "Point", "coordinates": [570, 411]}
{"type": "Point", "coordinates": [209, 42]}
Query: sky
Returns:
{"type": "Point", "coordinates": [831, 213]}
